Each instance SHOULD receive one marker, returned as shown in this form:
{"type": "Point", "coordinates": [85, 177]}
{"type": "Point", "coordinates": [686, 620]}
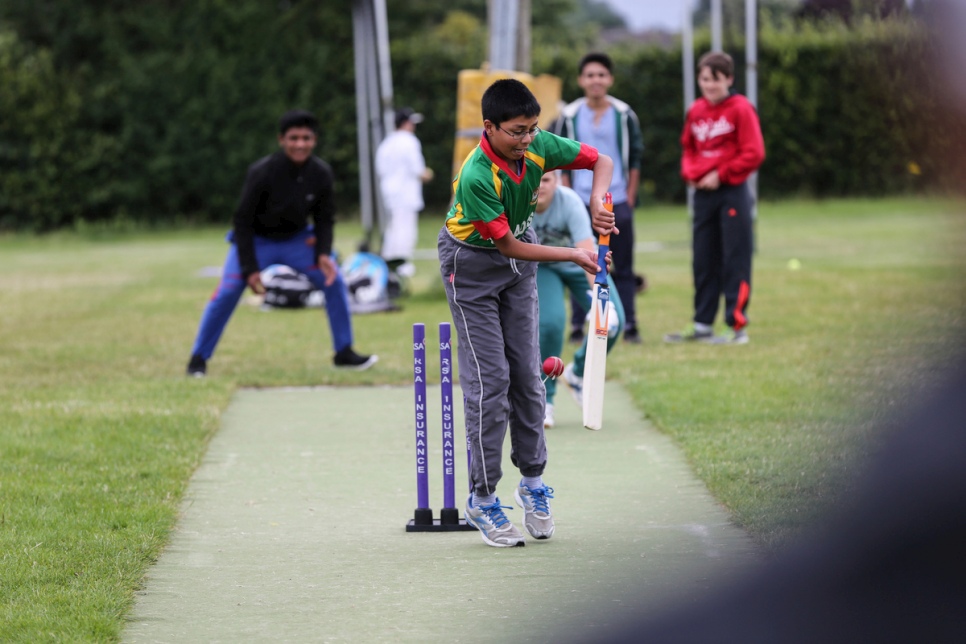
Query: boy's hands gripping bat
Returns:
{"type": "Point", "coordinates": [595, 365]}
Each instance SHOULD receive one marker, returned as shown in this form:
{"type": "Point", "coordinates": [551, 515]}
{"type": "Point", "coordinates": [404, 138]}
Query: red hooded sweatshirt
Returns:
{"type": "Point", "coordinates": [725, 137]}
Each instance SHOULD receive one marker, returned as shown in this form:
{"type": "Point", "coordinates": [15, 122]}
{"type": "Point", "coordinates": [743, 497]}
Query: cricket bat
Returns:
{"type": "Point", "coordinates": [595, 364]}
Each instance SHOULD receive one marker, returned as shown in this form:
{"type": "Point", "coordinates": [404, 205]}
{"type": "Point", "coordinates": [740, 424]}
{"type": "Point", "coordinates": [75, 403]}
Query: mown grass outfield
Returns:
{"type": "Point", "coordinates": [100, 430]}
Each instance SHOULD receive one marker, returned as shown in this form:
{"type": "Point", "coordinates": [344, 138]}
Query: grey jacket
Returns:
{"type": "Point", "coordinates": [628, 133]}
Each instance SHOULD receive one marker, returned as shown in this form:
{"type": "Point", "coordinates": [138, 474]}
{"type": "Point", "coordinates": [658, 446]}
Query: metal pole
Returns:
{"type": "Point", "coordinates": [716, 25]}
{"type": "Point", "coordinates": [382, 116]}
{"type": "Point", "coordinates": [751, 50]}
{"type": "Point", "coordinates": [385, 68]}
{"type": "Point", "coordinates": [751, 79]}
{"type": "Point", "coordinates": [502, 21]}
{"type": "Point", "coordinates": [523, 48]}
{"type": "Point", "coordinates": [374, 114]}
{"type": "Point", "coordinates": [687, 54]}
{"type": "Point", "coordinates": [687, 58]}
{"type": "Point", "coordinates": [360, 47]}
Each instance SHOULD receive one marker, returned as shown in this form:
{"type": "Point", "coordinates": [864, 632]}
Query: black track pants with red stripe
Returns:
{"type": "Point", "coordinates": [722, 245]}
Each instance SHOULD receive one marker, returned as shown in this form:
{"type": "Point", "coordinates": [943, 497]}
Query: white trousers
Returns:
{"type": "Point", "coordinates": [399, 238]}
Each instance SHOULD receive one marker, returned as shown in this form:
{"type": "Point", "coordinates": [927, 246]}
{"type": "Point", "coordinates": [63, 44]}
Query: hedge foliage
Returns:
{"type": "Point", "coordinates": [161, 105]}
{"type": "Point", "coordinates": [857, 111]}
{"type": "Point", "coordinates": [152, 111]}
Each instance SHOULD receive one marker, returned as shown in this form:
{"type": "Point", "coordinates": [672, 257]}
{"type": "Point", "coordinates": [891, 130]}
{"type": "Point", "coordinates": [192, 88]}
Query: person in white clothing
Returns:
{"type": "Point", "coordinates": [402, 170]}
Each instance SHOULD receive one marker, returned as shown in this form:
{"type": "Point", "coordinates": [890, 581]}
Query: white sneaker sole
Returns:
{"type": "Point", "coordinates": [519, 544]}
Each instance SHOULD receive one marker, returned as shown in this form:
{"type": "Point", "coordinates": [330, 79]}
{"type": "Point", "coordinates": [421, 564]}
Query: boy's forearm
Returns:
{"type": "Point", "coordinates": [603, 174]}
{"type": "Point", "coordinates": [589, 246]}
{"type": "Point", "coordinates": [510, 246]}
{"type": "Point", "coordinates": [601, 220]}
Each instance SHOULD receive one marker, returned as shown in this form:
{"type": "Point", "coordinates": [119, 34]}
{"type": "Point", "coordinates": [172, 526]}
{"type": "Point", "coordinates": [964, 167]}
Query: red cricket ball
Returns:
{"type": "Point", "coordinates": [553, 367]}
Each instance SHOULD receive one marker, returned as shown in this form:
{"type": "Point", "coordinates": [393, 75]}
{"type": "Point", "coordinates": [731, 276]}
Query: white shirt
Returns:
{"type": "Point", "coordinates": [400, 166]}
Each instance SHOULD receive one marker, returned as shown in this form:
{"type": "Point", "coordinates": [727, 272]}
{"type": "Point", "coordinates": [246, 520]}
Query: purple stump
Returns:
{"type": "Point", "coordinates": [449, 520]}
{"type": "Point", "coordinates": [449, 514]}
{"type": "Point", "coordinates": [424, 513]}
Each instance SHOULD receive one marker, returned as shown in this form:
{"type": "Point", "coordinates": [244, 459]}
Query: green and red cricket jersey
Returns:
{"type": "Point", "coordinates": [493, 198]}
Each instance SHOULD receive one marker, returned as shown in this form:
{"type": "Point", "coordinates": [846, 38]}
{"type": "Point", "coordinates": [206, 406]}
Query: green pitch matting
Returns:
{"type": "Point", "coordinates": [293, 530]}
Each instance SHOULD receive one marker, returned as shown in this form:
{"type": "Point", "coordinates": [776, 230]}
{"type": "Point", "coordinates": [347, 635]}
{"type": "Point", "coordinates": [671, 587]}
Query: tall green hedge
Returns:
{"type": "Point", "coordinates": [855, 112]}
{"type": "Point", "coordinates": [152, 111]}
{"type": "Point", "coordinates": [40, 160]}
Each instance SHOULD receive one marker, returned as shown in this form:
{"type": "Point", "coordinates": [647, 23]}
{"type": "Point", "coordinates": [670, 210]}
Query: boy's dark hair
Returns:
{"type": "Point", "coordinates": [507, 99]}
{"type": "Point", "coordinates": [718, 62]}
{"type": "Point", "coordinates": [298, 118]}
{"type": "Point", "coordinates": [596, 57]}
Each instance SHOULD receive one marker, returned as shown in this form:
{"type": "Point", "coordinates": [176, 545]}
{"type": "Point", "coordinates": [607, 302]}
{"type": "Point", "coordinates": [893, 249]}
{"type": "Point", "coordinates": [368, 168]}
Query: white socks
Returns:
{"type": "Point", "coordinates": [483, 500]}
{"type": "Point", "coordinates": [532, 482]}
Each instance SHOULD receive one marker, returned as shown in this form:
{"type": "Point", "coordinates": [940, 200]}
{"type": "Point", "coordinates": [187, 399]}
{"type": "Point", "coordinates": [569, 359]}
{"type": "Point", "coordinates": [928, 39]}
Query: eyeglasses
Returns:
{"type": "Point", "coordinates": [520, 135]}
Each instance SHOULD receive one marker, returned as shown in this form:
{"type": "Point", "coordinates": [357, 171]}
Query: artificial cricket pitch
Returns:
{"type": "Point", "coordinates": [293, 529]}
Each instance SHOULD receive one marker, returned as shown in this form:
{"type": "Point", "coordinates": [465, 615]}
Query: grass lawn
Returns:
{"type": "Point", "coordinates": [101, 430]}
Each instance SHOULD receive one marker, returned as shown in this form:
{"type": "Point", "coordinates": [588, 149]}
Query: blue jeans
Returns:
{"type": "Point", "coordinates": [297, 252]}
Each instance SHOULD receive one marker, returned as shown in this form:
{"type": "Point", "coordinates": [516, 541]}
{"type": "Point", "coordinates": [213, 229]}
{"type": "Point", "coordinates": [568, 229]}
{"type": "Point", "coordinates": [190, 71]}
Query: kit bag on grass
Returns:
{"type": "Point", "coordinates": [286, 288]}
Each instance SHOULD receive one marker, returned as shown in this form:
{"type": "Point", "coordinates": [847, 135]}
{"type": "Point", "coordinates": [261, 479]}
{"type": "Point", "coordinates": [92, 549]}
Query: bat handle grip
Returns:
{"type": "Point", "coordinates": [603, 245]}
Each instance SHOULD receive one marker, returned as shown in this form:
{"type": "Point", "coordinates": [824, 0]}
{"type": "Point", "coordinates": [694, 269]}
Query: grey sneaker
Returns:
{"type": "Point", "coordinates": [731, 337]}
{"type": "Point", "coordinates": [690, 334]}
{"type": "Point", "coordinates": [494, 527]}
{"type": "Point", "coordinates": [536, 510]}
{"type": "Point", "coordinates": [576, 384]}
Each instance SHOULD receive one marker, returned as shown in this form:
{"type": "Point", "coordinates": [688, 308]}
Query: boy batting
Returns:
{"type": "Point", "coordinates": [488, 255]}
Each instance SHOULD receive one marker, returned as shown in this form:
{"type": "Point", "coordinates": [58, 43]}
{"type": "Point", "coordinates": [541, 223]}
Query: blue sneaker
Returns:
{"type": "Point", "coordinates": [536, 510]}
{"type": "Point", "coordinates": [494, 527]}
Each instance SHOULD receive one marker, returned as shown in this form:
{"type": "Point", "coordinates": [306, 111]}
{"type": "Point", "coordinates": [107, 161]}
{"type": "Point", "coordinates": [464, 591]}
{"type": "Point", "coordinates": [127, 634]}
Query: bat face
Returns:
{"type": "Point", "coordinates": [601, 310]}
{"type": "Point", "coordinates": [595, 365]}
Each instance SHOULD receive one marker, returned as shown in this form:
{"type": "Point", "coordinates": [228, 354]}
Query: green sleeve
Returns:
{"type": "Point", "coordinates": [558, 152]}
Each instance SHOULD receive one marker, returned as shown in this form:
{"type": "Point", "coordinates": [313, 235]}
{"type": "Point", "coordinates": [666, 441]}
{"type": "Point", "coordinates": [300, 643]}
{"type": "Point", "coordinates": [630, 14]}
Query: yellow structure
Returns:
{"type": "Point", "coordinates": [471, 83]}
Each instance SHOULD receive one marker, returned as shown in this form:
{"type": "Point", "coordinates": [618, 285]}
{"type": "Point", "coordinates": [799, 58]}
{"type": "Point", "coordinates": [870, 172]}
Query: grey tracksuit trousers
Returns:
{"type": "Point", "coordinates": [493, 300]}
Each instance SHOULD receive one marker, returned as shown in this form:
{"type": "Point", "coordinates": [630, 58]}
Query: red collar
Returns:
{"type": "Point", "coordinates": [500, 162]}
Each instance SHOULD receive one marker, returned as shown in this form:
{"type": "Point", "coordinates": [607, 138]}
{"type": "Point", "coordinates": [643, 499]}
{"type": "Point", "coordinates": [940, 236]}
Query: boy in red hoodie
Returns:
{"type": "Point", "coordinates": [721, 146]}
